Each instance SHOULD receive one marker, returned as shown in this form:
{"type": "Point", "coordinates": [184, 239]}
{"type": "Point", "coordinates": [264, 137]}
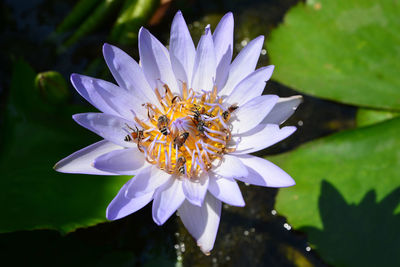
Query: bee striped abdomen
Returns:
{"type": "Point", "coordinates": [128, 138]}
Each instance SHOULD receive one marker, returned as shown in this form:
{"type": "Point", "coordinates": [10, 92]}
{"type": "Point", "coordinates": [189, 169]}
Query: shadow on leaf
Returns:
{"type": "Point", "coordinates": [357, 235]}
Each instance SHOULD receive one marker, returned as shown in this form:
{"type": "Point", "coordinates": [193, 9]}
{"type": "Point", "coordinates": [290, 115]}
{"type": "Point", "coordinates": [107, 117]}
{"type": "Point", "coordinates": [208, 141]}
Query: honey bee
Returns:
{"type": "Point", "coordinates": [200, 127]}
{"type": "Point", "coordinates": [197, 112]}
{"type": "Point", "coordinates": [227, 113]}
{"type": "Point", "coordinates": [162, 124]}
{"type": "Point", "coordinates": [180, 139]}
{"type": "Point", "coordinates": [136, 134]}
{"type": "Point", "coordinates": [180, 165]}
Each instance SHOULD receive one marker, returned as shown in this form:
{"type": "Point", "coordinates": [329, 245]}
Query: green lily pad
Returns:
{"type": "Point", "coordinates": [367, 117]}
{"type": "Point", "coordinates": [35, 136]}
{"type": "Point", "coordinates": [347, 196]}
{"type": "Point", "coordinates": [343, 50]}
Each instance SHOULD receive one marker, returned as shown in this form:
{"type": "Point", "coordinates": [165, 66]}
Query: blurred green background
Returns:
{"type": "Point", "coordinates": [343, 56]}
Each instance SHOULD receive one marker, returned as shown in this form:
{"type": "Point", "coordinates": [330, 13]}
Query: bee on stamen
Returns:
{"type": "Point", "coordinates": [200, 127]}
{"type": "Point", "coordinates": [197, 112]}
{"type": "Point", "coordinates": [227, 113]}
{"type": "Point", "coordinates": [162, 124]}
{"type": "Point", "coordinates": [180, 139]}
{"type": "Point", "coordinates": [180, 165]}
{"type": "Point", "coordinates": [136, 134]}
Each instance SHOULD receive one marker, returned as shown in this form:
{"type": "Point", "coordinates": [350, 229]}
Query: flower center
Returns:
{"type": "Point", "coordinates": [187, 135]}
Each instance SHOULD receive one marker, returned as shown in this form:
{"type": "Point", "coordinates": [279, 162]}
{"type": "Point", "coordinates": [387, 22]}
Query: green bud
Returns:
{"type": "Point", "coordinates": [52, 87]}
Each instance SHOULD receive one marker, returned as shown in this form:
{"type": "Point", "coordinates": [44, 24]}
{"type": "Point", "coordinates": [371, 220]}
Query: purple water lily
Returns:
{"type": "Point", "coordinates": [183, 123]}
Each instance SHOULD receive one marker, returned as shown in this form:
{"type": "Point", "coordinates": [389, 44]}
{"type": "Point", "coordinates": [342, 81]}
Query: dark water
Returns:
{"type": "Point", "coordinates": [254, 235]}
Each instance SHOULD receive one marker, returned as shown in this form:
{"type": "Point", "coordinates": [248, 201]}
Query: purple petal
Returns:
{"type": "Point", "coordinates": [223, 44]}
{"type": "Point", "coordinates": [249, 115]}
{"type": "Point", "coordinates": [182, 50]}
{"type": "Point", "coordinates": [226, 190]}
{"type": "Point", "coordinates": [105, 96]}
{"type": "Point", "coordinates": [82, 160]}
{"type": "Point", "coordinates": [202, 222]}
{"type": "Point", "coordinates": [205, 63]}
{"type": "Point", "coordinates": [111, 128]}
{"type": "Point", "coordinates": [269, 134]}
{"type": "Point", "coordinates": [122, 161]}
{"type": "Point", "coordinates": [264, 173]}
{"type": "Point", "coordinates": [283, 109]}
{"type": "Point", "coordinates": [167, 199]}
{"type": "Point", "coordinates": [155, 61]}
{"type": "Point", "coordinates": [146, 180]}
{"type": "Point", "coordinates": [129, 74]}
{"type": "Point", "coordinates": [244, 64]}
{"type": "Point", "coordinates": [195, 190]}
{"type": "Point", "coordinates": [230, 167]}
{"type": "Point", "coordinates": [251, 86]}
{"type": "Point", "coordinates": [121, 206]}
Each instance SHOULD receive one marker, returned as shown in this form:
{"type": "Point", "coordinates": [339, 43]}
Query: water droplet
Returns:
{"type": "Point", "coordinates": [263, 52]}
{"type": "Point", "coordinates": [243, 43]}
{"type": "Point", "coordinates": [308, 248]}
{"type": "Point", "coordinates": [287, 226]}
{"type": "Point", "coordinates": [246, 233]}
{"type": "Point", "coordinates": [300, 123]}
{"type": "Point", "coordinates": [273, 212]}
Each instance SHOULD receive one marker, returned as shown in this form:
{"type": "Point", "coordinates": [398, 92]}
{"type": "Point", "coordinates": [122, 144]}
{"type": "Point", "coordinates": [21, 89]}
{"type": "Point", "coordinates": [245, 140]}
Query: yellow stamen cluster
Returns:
{"type": "Point", "coordinates": [186, 135]}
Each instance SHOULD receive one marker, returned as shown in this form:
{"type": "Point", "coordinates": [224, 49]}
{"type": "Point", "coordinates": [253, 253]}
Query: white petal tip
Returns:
{"type": "Point", "coordinates": [73, 77]}
{"type": "Point", "coordinates": [64, 167]}
{"type": "Point", "coordinates": [289, 183]}
{"type": "Point", "coordinates": [229, 14]}
{"type": "Point", "coordinates": [259, 38]}
{"type": "Point", "coordinates": [57, 167]}
{"type": "Point", "coordinates": [207, 30]}
{"type": "Point", "coordinates": [206, 252]}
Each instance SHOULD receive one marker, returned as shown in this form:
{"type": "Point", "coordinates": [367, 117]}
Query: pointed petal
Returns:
{"type": "Point", "coordinates": [230, 167]}
{"type": "Point", "coordinates": [283, 109]}
{"type": "Point", "coordinates": [205, 63]}
{"type": "Point", "coordinates": [202, 222]}
{"type": "Point", "coordinates": [223, 44]}
{"type": "Point", "coordinates": [82, 160]}
{"type": "Point", "coordinates": [111, 128]}
{"type": "Point", "coordinates": [168, 198]}
{"type": "Point", "coordinates": [155, 61]}
{"type": "Point", "coordinates": [244, 64]}
{"type": "Point", "coordinates": [129, 74]}
{"type": "Point", "coordinates": [147, 180]}
{"type": "Point", "coordinates": [182, 50]}
{"type": "Point", "coordinates": [264, 173]}
{"type": "Point", "coordinates": [195, 190]}
{"type": "Point", "coordinates": [105, 96]}
{"type": "Point", "coordinates": [122, 161]}
{"type": "Point", "coordinates": [260, 137]}
{"type": "Point", "coordinates": [251, 86]}
{"type": "Point", "coordinates": [226, 190]}
{"type": "Point", "coordinates": [249, 115]}
{"type": "Point", "coordinates": [121, 206]}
